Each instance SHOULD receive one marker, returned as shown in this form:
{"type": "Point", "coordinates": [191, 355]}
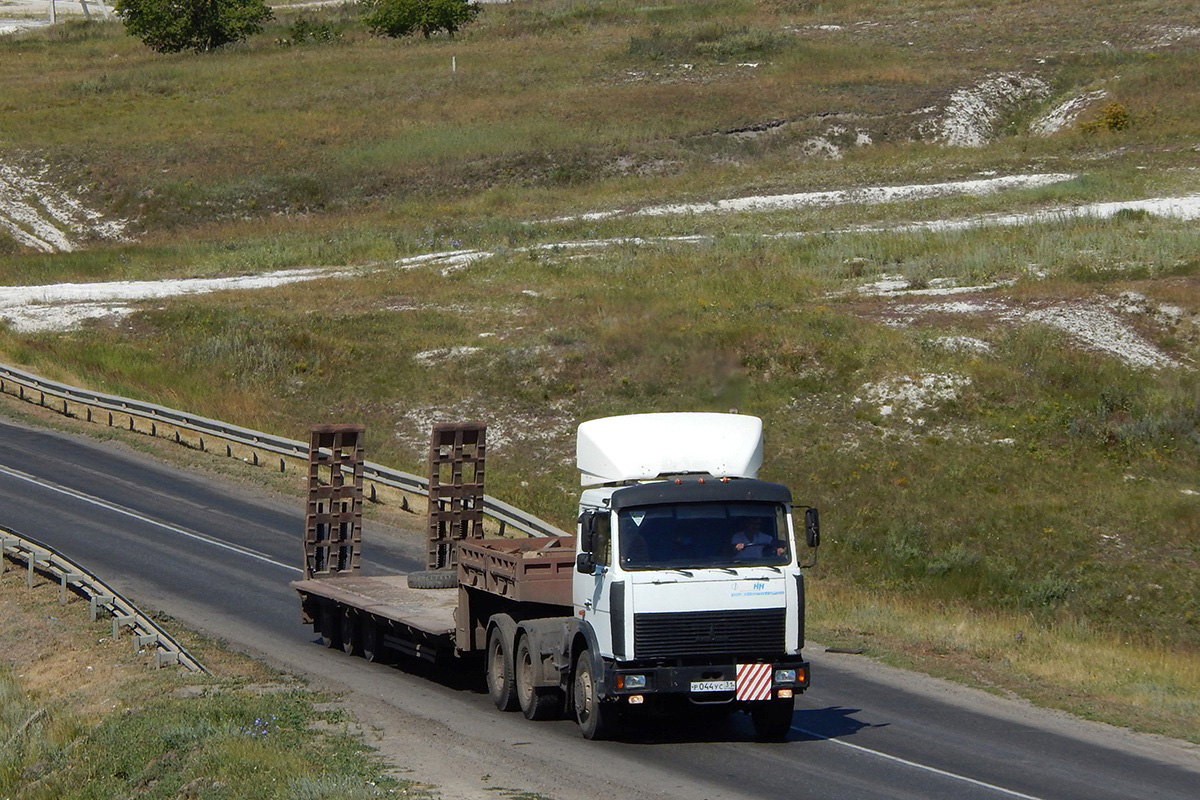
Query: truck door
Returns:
{"type": "Point", "coordinates": [593, 594]}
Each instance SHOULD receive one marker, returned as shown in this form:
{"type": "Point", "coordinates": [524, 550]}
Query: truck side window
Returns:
{"type": "Point", "coordinates": [603, 551]}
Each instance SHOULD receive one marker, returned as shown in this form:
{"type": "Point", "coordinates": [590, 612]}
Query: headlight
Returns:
{"type": "Point", "coordinates": [785, 676]}
{"type": "Point", "coordinates": [631, 681]}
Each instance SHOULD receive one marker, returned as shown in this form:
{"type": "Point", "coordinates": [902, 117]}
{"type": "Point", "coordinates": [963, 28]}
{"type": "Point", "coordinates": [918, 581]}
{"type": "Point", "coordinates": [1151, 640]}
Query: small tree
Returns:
{"type": "Point", "coordinates": [397, 18]}
{"type": "Point", "coordinates": [170, 26]}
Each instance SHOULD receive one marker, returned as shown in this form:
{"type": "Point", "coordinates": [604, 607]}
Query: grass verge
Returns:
{"type": "Point", "coordinates": [83, 716]}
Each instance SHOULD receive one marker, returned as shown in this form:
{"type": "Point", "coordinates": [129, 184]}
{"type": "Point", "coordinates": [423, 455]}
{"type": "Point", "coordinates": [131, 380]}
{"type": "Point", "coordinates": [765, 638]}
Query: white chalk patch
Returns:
{"type": "Point", "coordinates": [1099, 329]}
{"type": "Point", "coordinates": [42, 216]}
{"type": "Point", "coordinates": [972, 113]}
{"type": "Point", "coordinates": [904, 395]}
{"type": "Point", "coordinates": [1065, 113]}
{"type": "Point", "coordinates": [430, 357]}
{"type": "Point", "coordinates": [963, 344]}
{"type": "Point", "coordinates": [27, 308]}
{"type": "Point", "coordinates": [871, 195]}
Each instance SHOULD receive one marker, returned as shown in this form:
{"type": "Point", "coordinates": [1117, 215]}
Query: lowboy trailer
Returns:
{"type": "Point", "coordinates": [680, 590]}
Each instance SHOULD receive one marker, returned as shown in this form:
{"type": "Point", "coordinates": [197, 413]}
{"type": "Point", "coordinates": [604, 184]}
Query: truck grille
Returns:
{"type": "Point", "coordinates": [690, 633]}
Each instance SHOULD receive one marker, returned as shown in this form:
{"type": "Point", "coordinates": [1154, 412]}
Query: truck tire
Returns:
{"type": "Point", "coordinates": [773, 719]}
{"type": "Point", "coordinates": [596, 720]}
{"type": "Point", "coordinates": [350, 631]}
{"type": "Point", "coordinates": [368, 633]}
{"type": "Point", "coordinates": [328, 625]}
{"type": "Point", "coordinates": [537, 702]}
{"type": "Point", "coordinates": [500, 683]}
{"type": "Point", "coordinates": [433, 579]}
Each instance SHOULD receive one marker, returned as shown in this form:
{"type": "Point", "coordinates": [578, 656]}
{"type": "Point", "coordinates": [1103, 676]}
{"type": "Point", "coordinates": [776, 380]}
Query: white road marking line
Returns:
{"type": "Point", "coordinates": [200, 537]}
{"type": "Point", "coordinates": [916, 765]}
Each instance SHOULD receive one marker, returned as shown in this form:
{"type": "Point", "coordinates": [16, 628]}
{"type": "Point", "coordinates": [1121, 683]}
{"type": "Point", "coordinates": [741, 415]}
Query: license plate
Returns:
{"type": "Point", "coordinates": [714, 686]}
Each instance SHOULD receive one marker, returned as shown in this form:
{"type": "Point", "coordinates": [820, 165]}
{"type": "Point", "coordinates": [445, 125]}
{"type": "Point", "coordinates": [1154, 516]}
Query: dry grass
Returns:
{"type": "Point", "coordinates": [1065, 664]}
{"type": "Point", "coordinates": [85, 716]}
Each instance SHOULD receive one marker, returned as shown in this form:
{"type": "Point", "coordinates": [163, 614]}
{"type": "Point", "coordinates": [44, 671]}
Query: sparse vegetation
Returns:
{"type": "Point", "coordinates": [82, 716]}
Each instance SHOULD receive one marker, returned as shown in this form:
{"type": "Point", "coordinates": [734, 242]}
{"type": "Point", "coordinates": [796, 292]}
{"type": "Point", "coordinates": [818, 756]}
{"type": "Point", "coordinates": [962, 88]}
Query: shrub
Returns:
{"type": "Point", "coordinates": [1113, 117]}
{"type": "Point", "coordinates": [169, 26]}
{"type": "Point", "coordinates": [398, 18]}
{"type": "Point", "coordinates": [305, 30]}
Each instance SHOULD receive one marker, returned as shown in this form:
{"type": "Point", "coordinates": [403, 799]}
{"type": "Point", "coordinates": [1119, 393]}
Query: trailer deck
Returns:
{"type": "Point", "coordinates": [388, 597]}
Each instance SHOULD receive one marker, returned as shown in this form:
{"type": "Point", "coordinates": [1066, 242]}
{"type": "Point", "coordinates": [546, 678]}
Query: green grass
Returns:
{"type": "Point", "coordinates": [83, 716]}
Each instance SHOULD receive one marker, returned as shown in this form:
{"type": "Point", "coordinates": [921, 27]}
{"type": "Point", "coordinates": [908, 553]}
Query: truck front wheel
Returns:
{"type": "Point", "coordinates": [500, 683]}
{"type": "Point", "coordinates": [596, 720]}
{"type": "Point", "coordinates": [773, 719]}
{"type": "Point", "coordinates": [537, 702]}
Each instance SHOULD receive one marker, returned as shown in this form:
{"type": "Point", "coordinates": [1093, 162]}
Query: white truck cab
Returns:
{"type": "Point", "coordinates": [687, 580]}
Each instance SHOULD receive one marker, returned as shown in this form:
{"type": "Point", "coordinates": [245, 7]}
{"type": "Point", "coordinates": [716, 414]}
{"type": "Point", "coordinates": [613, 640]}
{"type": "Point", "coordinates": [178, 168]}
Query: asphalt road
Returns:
{"type": "Point", "coordinates": [218, 558]}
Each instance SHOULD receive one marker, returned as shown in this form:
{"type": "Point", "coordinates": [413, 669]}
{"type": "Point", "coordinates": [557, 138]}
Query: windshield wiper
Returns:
{"type": "Point", "coordinates": [681, 571]}
{"type": "Point", "coordinates": [730, 570]}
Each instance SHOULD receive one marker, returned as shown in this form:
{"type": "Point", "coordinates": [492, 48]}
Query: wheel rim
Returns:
{"type": "Point", "coordinates": [584, 695]}
{"type": "Point", "coordinates": [495, 667]}
{"type": "Point", "coordinates": [524, 676]}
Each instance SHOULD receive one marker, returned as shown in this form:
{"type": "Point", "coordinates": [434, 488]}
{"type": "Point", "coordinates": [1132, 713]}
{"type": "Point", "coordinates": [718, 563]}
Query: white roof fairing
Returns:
{"type": "Point", "coordinates": [646, 446]}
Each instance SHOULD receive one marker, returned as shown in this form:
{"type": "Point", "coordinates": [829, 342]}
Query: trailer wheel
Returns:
{"type": "Point", "coordinates": [500, 683]}
{"type": "Point", "coordinates": [596, 720]}
{"type": "Point", "coordinates": [368, 633]}
{"type": "Point", "coordinates": [537, 702]}
{"type": "Point", "coordinates": [350, 632]}
{"type": "Point", "coordinates": [327, 624]}
{"type": "Point", "coordinates": [433, 579]}
{"type": "Point", "coordinates": [773, 719]}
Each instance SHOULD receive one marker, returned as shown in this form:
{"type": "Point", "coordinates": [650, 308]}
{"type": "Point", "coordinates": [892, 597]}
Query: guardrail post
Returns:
{"type": "Point", "coordinates": [5, 543]}
{"type": "Point", "coordinates": [166, 657]}
{"type": "Point", "coordinates": [67, 578]}
{"type": "Point", "coordinates": [98, 600]}
{"type": "Point", "coordinates": [33, 560]}
{"type": "Point", "coordinates": [140, 640]}
{"type": "Point", "coordinates": [120, 621]}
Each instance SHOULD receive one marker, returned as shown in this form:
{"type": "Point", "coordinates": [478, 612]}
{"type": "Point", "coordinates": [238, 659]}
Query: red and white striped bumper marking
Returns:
{"type": "Point", "coordinates": [753, 681]}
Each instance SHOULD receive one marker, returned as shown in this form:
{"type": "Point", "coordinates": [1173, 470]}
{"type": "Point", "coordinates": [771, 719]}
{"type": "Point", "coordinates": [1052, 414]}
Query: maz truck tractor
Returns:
{"type": "Point", "coordinates": [681, 589]}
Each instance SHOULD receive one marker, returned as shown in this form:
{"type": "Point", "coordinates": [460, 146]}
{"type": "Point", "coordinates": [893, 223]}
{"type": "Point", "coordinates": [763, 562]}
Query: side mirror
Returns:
{"type": "Point", "coordinates": [587, 531]}
{"type": "Point", "coordinates": [812, 527]}
{"type": "Point", "coordinates": [585, 563]}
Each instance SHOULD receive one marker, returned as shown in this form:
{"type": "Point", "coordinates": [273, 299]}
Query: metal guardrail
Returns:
{"type": "Point", "coordinates": [44, 560]}
{"type": "Point", "coordinates": [28, 385]}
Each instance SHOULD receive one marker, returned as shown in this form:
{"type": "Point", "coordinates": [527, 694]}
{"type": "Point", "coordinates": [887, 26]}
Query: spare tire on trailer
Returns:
{"type": "Point", "coordinates": [433, 579]}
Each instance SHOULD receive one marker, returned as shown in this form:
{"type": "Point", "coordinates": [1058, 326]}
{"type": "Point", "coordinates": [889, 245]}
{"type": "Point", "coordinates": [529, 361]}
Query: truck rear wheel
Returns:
{"type": "Point", "coordinates": [350, 631]}
{"type": "Point", "coordinates": [500, 683]}
{"type": "Point", "coordinates": [368, 633]}
{"type": "Point", "coordinates": [596, 720]}
{"type": "Point", "coordinates": [537, 702]}
{"type": "Point", "coordinates": [328, 624]}
{"type": "Point", "coordinates": [773, 719]}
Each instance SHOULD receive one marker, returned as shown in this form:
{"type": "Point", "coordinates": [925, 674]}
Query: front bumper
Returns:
{"type": "Point", "coordinates": [699, 683]}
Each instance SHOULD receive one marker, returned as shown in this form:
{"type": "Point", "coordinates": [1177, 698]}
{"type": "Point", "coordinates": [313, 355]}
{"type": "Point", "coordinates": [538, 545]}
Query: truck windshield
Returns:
{"type": "Point", "coordinates": [703, 535]}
